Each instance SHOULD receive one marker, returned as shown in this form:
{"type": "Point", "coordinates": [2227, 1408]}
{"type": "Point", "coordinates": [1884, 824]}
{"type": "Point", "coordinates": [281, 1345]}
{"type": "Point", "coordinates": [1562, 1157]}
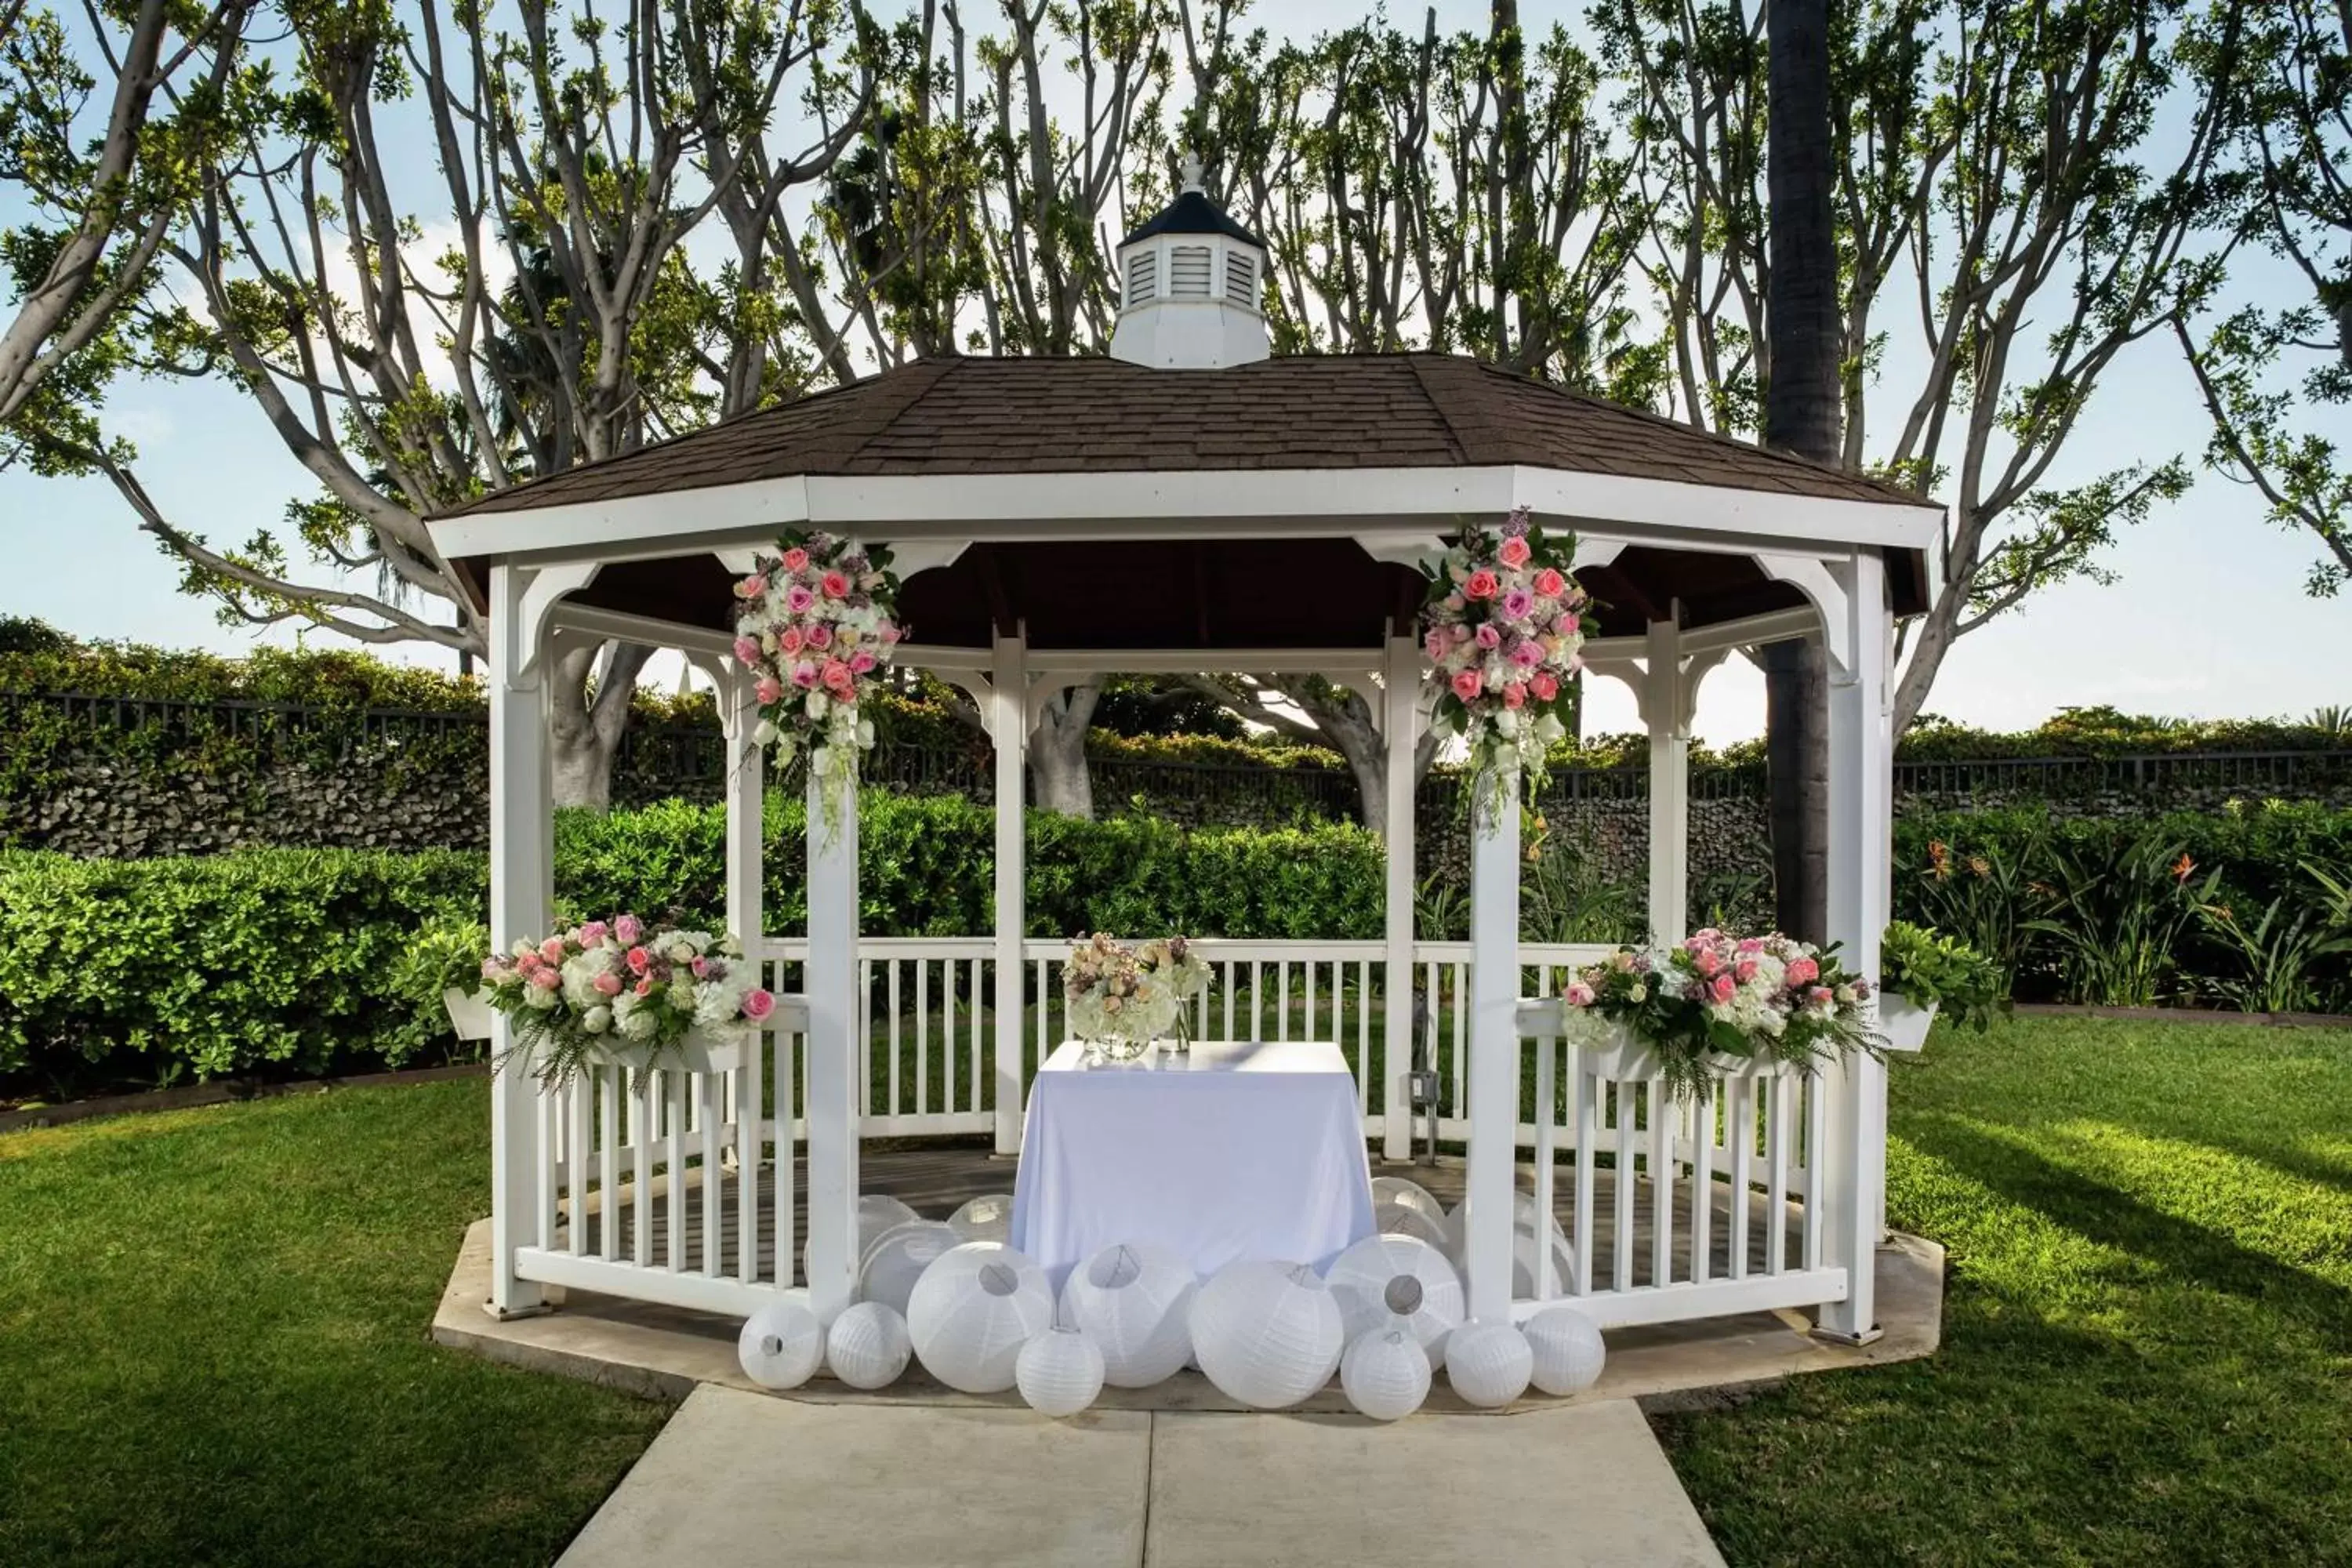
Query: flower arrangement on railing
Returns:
{"type": "Point", "coordinates": [624, 990]}
{"type": "Point", "coordinates": [1118, 999]}
{"type": "Point", "coordinates": [1501, 629]}
{"type": "Point", "coordinates": [817, 625]}
{"type": "Point", "coordinates": [1715, 1003]}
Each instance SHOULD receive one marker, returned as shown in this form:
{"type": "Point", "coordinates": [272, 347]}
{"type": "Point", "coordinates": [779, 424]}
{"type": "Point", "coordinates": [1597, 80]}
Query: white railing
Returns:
{"type": "Point", "coordinates": [1698, 1219]}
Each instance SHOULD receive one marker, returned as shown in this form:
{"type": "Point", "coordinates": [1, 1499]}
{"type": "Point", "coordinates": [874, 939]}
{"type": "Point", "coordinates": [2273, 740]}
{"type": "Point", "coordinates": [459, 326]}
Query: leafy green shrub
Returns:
{"type": "Point", "coordinates": [1929, 969]}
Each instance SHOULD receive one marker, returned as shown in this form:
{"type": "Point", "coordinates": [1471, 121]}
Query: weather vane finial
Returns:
{"type": "Point", "coordinates": [1193, 169]}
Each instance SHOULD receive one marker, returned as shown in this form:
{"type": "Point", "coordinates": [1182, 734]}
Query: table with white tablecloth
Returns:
{"type": "Point", "coordinates": [1232, 1149]}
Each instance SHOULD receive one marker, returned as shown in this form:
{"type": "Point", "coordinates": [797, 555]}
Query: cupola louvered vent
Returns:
{"type": "Point", "coordinates": [1188, 271]}
{"type": "Point", "coordinates": [1142, 277]}
{"type": "Point", "coordinates": [1241, 278]}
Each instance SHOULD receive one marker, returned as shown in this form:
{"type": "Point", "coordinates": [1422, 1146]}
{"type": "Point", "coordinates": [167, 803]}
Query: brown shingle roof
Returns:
{"type": "Point", "coordinates": [1302, 411]}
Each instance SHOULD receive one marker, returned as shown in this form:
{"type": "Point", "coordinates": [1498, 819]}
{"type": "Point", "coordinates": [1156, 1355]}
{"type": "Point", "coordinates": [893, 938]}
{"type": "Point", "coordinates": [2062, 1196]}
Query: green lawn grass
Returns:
{"type": "Point", "coordinates": [2148, 1323]}
{"type": "Point", "coordinates": [213, 1331]}
{"type": "Point", "coordinates": [213, 1347]}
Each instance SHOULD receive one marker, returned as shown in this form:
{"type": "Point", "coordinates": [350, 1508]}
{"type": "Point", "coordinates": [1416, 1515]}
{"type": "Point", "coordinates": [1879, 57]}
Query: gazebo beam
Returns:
{"type": "Point", "coordinates": [836, 1015]}
{"type": "Point", "coordinates": [1494, 1044]}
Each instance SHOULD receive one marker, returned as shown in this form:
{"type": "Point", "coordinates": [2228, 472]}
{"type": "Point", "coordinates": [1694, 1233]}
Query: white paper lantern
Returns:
{"type": "Point", "coordinates": [972, 1310]}
{"type": "Point", "coordinates": [988, 1218]}
{"type": "Point", "coordinates": [1488, 1363]}
{"type": "Point", "coordinates": [1556, 1255]}
{"type": "Point", "coordinates": [780, 1345]}
{"type": "Point", "coordinates": [1267, 1334]}
{"type": "Point", "coordinates": [1567, 1349]}
{"type": "Point", "coordinates": [867, 1346]}
{"type": "Point", "coordinates": [1390, 1281]}
{"type": "Point", "coordinates": [1407, 1195]}
{"type": "Point", "coordinates": [1060, 1372]}
{"type": "Point", "coordinates": [1136, 1304]}
{"type": "Point", "coordinates": [878, 1212]}
{"type": "Point", "coordinates": [898, 1259]}
{"type": "Point", "coordinates": [1385, 1374]}
{"type": "Point", "coordinates": [1396, 1219]}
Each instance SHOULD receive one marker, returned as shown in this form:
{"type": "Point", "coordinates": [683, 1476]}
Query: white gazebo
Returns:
{"type": "Point", "coordinates": [1190, 503]}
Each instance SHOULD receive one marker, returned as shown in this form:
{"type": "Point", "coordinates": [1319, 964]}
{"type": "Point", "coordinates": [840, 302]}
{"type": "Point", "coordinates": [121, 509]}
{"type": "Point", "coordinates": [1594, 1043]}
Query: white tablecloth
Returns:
{"type": "Point", "coordinates": [1232, 1149]}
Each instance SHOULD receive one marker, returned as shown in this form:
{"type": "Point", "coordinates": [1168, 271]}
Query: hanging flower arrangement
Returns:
{"type": "Point", "coordinates": [817, 626]}
{"type": "Point", "coordinates": [1501, 629]}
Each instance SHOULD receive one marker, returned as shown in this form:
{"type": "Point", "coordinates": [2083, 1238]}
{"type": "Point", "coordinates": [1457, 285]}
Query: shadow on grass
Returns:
{"type": "Point", "coordinates": [2113, 1219]}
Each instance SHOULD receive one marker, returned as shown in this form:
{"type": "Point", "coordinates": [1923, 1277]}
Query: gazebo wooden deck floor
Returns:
{"type": "Point", "coordinates": [935, 1178]}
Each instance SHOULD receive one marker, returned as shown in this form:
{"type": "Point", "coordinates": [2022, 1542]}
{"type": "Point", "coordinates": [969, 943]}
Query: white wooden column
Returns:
{"type": "Point", "coordinates": [1399, 709]}
{"type": "Point", "coordinates": [837, 1009]}
{"type": "Point", "coordinates": [1494, 1042]}
{"type": "Point", "coordinates": [1861, 827]}
{"type": "Point", "coordinates": [746, 851]}
{"type": "Point", "coordinates": [522, 852]}
{"type": "Point", "coordinates": [1668, 717]}
{"type": "Point", "coordinates": [1008, 726]}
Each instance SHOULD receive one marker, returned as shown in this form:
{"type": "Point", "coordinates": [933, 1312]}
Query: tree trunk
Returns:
{"type": "Point", "coordinates": [1801, 415]}
{"type": "Point", "coordinates": [590, 689]}
{"type": "Point", "coordinates": [1058, 778]}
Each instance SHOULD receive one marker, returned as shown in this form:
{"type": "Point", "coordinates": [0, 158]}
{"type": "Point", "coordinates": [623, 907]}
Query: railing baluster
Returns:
{"type": "Point", "coordinates": [1622, 1242]}
{"type": "Point", "coordinates": [714, 1179]}
{"type": "Point", "coordinates": [1702, 1220]}
{"type": "Point", "coordinates": [895, 966]}
{"type": "Point", "coordinates": [1588, 1138]}
{"type": "Point", "coordinates": [673, 1083]}
{"type": "Point", "coordinates": [578, 1159]}
{"type": "Point", "coordinates": [1776, 1149]}
{"type": "Point", "coordinates": [1665, 1116]}
{"type": "Point", "coordinates": [608, 1197]}
{"type": "Point", "coordinates": [1740, 1117]}
{"type": "Point", "coordinates": [1546, 1071]}
{"type": "Point", "coordinates": [1814, 1197]}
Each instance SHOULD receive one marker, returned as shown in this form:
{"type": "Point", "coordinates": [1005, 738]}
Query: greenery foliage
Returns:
{"type": "Point", "coordinates": [1929, 969]}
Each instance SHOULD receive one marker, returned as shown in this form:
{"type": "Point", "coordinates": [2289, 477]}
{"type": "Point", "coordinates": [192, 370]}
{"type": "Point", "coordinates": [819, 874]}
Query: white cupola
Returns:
{"type": "Point", "coordinates": [1189, 283]}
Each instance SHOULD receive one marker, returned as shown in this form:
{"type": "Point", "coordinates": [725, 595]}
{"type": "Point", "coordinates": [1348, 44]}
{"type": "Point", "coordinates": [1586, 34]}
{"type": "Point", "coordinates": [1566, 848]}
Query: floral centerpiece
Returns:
{"type": "Point", "coordinates": [1501, 629]}
{"type": "Point", "coordinates": [1715, 1003]}
{"type": "Point", "coordinates": [817, 626]}
{"type": "Point", "coordinates": [624, 990]}
{"type": "Point", "coordinates": [1118, 999]}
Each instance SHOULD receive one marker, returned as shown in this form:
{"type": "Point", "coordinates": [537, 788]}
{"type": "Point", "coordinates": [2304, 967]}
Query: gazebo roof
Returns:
{"type": "Point", "coordinates": [1424, 419]}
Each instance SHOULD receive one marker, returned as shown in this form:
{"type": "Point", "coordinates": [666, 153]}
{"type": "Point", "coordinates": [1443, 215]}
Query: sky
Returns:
{"type": "Point", "coordinates": [2207, 619]}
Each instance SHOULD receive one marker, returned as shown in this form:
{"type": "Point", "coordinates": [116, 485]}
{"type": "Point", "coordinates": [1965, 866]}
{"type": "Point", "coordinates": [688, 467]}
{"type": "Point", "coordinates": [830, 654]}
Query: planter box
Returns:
{"type": "Point", "coordinates": [699, 1052]}
{"type": "Point", "coordinates": [1616, 1056]}
{"type": "Point", "coordinates": [469, 1015]}
{"type": "Point", "coordinates": [1730, 1069]}
{"type": "Point", "coordinates": [1904, 1023]}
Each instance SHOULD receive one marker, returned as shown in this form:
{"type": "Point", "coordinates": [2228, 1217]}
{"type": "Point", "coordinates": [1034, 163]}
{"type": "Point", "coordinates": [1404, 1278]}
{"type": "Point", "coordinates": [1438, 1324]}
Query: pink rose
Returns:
{"type": "Point", "coordinates": [1578, 995]}
{"type": "Point", "coordinates": [1804, 969]}
{"type": "Point", "coordinates": [627, 928]}
{"type": "Point", "coordinates": [1703, 959]}
{"type": "Point", "coordinates": [796, 559]}
{"type": "Point", "coordinates": [1569, 622]}
{"type": "Point", "coordinates": [639, 961]}
{"type": "Point", "coordinates": [1545, 685]}
{"type": "Point", "coordinates": [788, 641]}
{"type": "Point", "coordinates": [752, 587]}
{"type": "Point", "coordinates": [1515, 696]}
{"type": "Point", "coordinates": [546, 979]}
{"type": "Point", "coordinates": [1435, 643]}
{"type": "Point", "coordinates": [861, 662]}
{"type": "Point", "coordinates": [1457, 634]}
{"type": "Point", "coordinates": [594, 932]}
{"type": "Point", "coordinates": [820, 636]}
{"type": "Point", "coordinates": [799, 597]}
{"type": "Point", "coordinates": [889, 634]}
{"type": "Point", "coordinates": [1527, 655]}
{"type": "Point", "coordinates": [1724, 988]}
{"type": "Point", "coordinates": [804, 675]}
{"type": "Point", "coordinates": [747, 651]}
{"type": "Point", "coordinates": [1744, 971]}
{"type": "Point", "coordinates": [836, 676]}
{"type": "Point", "coordinates": [836, 586]}
{"type": "Point", "coordinates": [607, 984]}
{"type": "Point", "coordinates": [645, 986]}
{"type": "Point", "coordinates": [701, 967]}
{"type": "Point", "coordinates": [768, 690]}
{"type": "Point", "coordinates": [491, 968]}
{"type": "Point", "coordinates": [1514, 552]}
{"type": "Point", "coordinates": [1467, 685]}
{"type": "Point", "coordinates": [1549, 582]}
{"type": "Point", "coordinates": [1480, 584]}
{"type": "Point", "coordinates": [552, 950]}
{"type": "Point", "coordinates": [1820, 995]}
{"type": "Point", "coordinates": [758, 1003]}
{"type": "Point", "coordinates": [1518, 604]}
{"type": "Point", "coordinates": [1488, 636]}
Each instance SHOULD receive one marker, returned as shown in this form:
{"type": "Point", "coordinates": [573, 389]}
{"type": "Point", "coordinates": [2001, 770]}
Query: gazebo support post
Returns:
{"type": "Point", "coordinates": [1494, 1041]}
{"type": "Point", "coordinates": [1008, 727]}
{"type": "Point", "coordinates": [1861, 828]}
{"type": "Point", "coordinates": [523, 888]}
{"type": "Point", "coordinates": [739, 706]}
{"type": "Point", "coordinates": [1666, 713]}
{"type": "Point", "coordinates": [836, 1011]}
{"type": "Point", "coordinates": [1399, 708]}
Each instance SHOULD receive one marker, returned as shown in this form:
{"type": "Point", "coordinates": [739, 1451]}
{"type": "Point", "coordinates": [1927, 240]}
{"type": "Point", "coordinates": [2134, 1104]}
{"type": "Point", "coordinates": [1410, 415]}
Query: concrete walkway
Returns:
{"type": "Point", "coordinates": [747, 1478]}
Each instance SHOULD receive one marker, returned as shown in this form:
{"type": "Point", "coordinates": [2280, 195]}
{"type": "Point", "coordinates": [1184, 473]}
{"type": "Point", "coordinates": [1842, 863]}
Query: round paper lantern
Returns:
{"type": "Point", "coordinates": [985, 1219]}
{"type": "Point", "coordinates": [1406, 1194]}
{"type": "Point", "coordinates": [1267, 1334]}
{"type": "Point", "coordinates": [1136, 1304]}
{"type": "Point", "coordinates": [1396, 1281]}
{"type": "Point", "coordinates": [1385, 1374]}
{"type": "Point", "coordinates": [1396, 1219]}
{"type": "Point", "coordinates": [878, 1212]}
{"type": "Point", "coordinates": [1568, 1350]}
{"type": "Point", "coordinates": [867, 1347]}
{"type": "Point", "coordinates": [1555, 1255]}
{"type": "Point", "coordinates": [972, 1310]}
{"type": "Point", "coordinates": [1488, 1363]}
{"type": "Point", "coordinates": [780, 1345]}
{"type": "Point", "coordinates": [898, 1259]}
{"type": "Point", "coordinates": [1059, 1372]}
